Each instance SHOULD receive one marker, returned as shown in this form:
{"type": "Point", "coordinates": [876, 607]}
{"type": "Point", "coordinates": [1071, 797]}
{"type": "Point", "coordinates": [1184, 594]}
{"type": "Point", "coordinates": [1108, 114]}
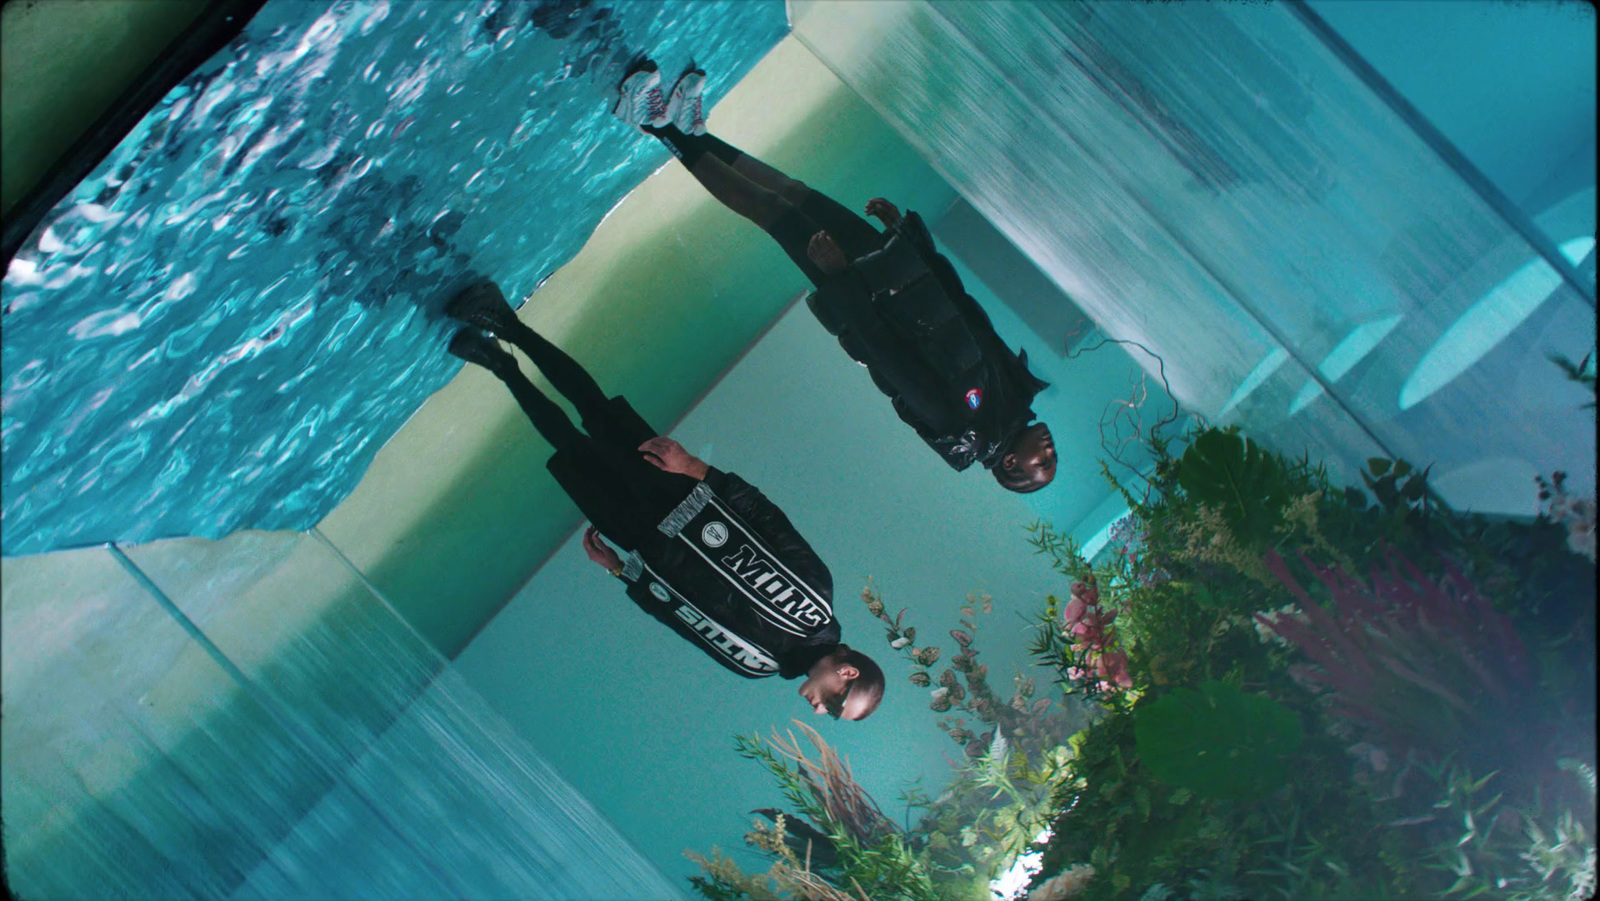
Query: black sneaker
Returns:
{"type": "Point", "coordinates": [476, 347]}
{"type": "Point", "coordinates": [484, 306]}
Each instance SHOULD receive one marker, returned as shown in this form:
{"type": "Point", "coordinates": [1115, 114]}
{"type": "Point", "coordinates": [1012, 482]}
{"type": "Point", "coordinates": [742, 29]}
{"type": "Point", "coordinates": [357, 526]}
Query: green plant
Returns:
{"type": "Point", "coordinates": [851, 850]}
{"type": "Point", "coordinates": [1248, 487]}
{"type": "Point", "coordinates": [998, 800]}
{"type": "Point", "coordinates": [1192, 590]}
{"type": "Point", "coordinates": [1499, 849]}
{"type": "Point", "coordinates": [1080, 660]}
{"type": "Point", "coordinates": [1030, 724]}
{"type": "Point", "coordinates": [1575, 514]}
{"type": "Point", "coordinates": [1176, 784]}
{"type": "Point", "coordinates": [1581, 372]}
{"type": "Point", "coordinates": [787, 878]}
{"type": "Point", "coordinates": [1300, 866]}
{"type": "Point", "coordinates": [1217, 741]}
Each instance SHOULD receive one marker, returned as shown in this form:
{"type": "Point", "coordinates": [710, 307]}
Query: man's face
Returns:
{"type": "Point", "coordinates": [1034, 453]}
{"type": "Point", "coordinates": [827, 688]}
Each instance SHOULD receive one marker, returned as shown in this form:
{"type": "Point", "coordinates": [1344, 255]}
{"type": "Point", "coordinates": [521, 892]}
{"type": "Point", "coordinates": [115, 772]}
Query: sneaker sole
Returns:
{"type": "Point", "coordinates": [475, 349]}
{"type": "Point", "coordinates": [482, 305]}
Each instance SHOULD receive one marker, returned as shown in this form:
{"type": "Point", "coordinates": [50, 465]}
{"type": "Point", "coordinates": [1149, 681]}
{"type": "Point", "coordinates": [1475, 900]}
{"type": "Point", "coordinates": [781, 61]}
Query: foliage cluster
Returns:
{"type": "Point", "coordinates": [847, 850]}
{"type": "Point", "coordinates": [1309, 692]}
{"type": "Point", "coordinates": [1241, 678]}
{"type": "Point", "coordinates": [1581, 372]}
{"type": "Point", "coordinates": [1000, 797]}
{"type": "Point", "coordinates": [1014, 753]}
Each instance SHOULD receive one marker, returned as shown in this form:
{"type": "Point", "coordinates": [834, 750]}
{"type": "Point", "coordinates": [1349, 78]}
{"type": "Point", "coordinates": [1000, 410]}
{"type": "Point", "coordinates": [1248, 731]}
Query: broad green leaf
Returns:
{"type": "Point", "coordinates": [1414, 488]}
{"type": "Point", "coordinates": [1217, 742]}
{"type": "Point", "coordinates": [1226, 471]}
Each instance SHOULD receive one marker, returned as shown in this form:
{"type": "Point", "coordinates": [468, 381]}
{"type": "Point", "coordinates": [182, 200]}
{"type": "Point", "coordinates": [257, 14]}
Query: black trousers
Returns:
{"type": "Point", "coordinates": [600, 468]}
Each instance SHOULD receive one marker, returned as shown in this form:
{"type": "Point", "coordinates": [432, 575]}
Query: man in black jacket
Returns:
{"type": "Point", "coordinates": [708, 554]}
{"type": "Point", "coordinates": [897, 306]}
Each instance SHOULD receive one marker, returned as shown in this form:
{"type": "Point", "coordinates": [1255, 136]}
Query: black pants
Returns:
{"type": "Point", "coordinates": [602, 471]}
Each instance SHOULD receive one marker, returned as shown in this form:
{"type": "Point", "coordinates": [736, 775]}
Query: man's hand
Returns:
{"type": "Point", "coordinates": [884, 211]}
{"type": "Point", "coordinates": [664, 453]}
{"type": "Point", "coordinates": [826, 254]}
{"type": "Point", "coordinates": [599, 551]}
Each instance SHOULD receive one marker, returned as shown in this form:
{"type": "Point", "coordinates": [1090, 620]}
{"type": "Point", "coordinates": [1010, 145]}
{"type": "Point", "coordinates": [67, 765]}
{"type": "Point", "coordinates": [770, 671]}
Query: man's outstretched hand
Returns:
{"type": "Point", "coordinates": [664, 453]}
{"type": "Point", "coordinates": [884, 212]}
{"type": "Point", "coordinates": [826, 254]}
{"type": "Point", "coordinates": [599, 551]}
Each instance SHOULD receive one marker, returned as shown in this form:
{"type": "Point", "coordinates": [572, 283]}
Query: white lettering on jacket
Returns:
{"type": "Point", "coordinates": [740, 653]}
{"type": "Point", "coordinates": [773, 591]}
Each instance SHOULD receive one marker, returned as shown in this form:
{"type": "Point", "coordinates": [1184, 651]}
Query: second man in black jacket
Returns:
{"type": "Point", "coordinates": [896, 305]}
{"type": "Point", "coordinates": [708, 555]}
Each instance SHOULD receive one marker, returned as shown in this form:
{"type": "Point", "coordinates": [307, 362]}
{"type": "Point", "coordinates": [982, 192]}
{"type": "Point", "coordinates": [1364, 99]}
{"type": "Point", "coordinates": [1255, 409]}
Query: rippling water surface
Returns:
{"type": "Point", "coordinates": [220, 326]}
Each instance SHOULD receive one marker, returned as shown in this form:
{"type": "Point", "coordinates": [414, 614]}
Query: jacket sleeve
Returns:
{"type": "Point", "coordinates": [639, 593]}
{"type": "Point", "coordinates": [632, 579]}
{"type": "Point", "coordinates": [765, 517]}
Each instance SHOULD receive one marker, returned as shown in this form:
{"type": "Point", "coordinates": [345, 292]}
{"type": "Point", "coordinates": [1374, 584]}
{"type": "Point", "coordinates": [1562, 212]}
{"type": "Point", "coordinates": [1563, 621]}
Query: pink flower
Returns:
{"type": "Point", "coordinates": [1580, 537]}
{"type": "Point", "coordinates": [1074, 612]}
{"type": "Point", "coordinates": [1090, 629]}
{"type": "Point", "coordinates": [1114, 668]}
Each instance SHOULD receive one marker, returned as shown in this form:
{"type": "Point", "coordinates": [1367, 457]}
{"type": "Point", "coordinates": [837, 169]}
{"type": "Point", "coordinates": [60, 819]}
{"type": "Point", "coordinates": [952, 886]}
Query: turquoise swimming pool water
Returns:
{"type": "Point", "coordinates": [219, 328]}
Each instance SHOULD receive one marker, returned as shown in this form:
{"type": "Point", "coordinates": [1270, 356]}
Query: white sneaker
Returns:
{"type": "Point", "coordinates": [655, 108]}
{"type": "Point", "coordinates": [639, 99]}
{"type": "Point", "coordinates": [684, 107]}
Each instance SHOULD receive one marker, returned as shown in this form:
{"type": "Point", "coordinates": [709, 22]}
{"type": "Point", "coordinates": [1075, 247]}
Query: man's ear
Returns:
{"type": "Point", "coordinates": [1008, 462]}
{"type": "Point", "coordinates": [848, 672]}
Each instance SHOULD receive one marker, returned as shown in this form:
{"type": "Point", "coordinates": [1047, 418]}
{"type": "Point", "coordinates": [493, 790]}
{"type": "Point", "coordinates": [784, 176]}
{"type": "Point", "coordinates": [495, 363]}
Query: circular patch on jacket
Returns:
{"type": "Point", "coordinates": [974, 398]}
{"type": "Point", "coordinates": [660, 591]}
{"type": "Point", "coordinates": [715, 534]}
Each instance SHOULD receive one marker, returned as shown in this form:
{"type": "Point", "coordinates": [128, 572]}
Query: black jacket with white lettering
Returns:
{"type": "Point", "coordinates": [730, 573]}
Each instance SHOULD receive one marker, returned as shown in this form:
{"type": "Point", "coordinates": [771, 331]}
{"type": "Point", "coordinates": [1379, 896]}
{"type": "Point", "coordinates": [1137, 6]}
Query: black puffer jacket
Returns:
{"type": "Point", "coordinates": [904, 314]}
{"type": "Point", "coordinates": [727, 571]}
